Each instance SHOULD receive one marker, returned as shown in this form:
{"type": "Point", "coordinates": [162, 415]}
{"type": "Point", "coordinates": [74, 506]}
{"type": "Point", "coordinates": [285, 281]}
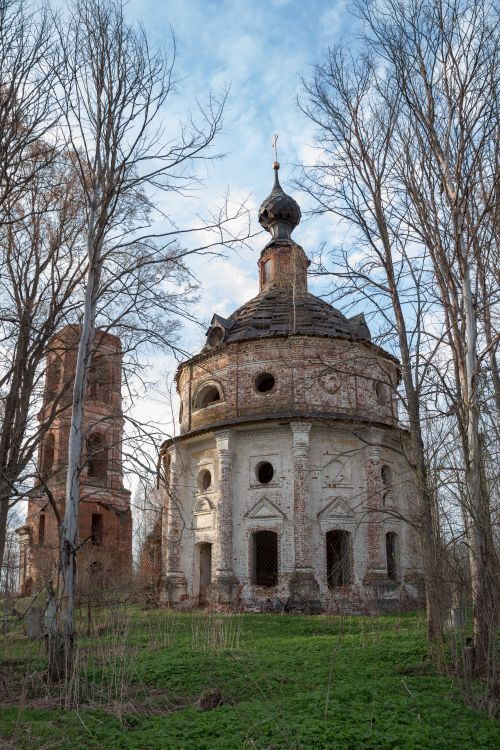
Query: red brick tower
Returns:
{"type": "Point", "coordinates": [105, 523]}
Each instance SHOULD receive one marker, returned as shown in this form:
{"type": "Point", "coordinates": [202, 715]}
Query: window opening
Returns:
{"type": "Point", "coordinates": [48, 454]}
{"type": "Point", "coordinates": [97, 528]}
{"type": "Point", "coordinates": [265, 558]}
{"type": "Point", "coordinates": [204, 480]}
{"type": "Point", "coordinates": [267, 271]}
{"type": "Point", "coordinates": [54, 379]}
{"type": "Point", "coordinates": [264, 472]}
{"type": "Point", "coordinates": [391, 552]}
{"type": "Point", "coordinates": [386, 475]}
{"type": "Point", "coordinates": [338, 558]}
{"type": "Point", "coordinates": [264, 382]}
{"type": "Point", "coordinates": [41, 529]}
{"type": "Point", "coordinates": [97, 457]}
{"type": "Point", "coordinates": [207, 396]}
{"type": "Point", "coordinates": [99, 380]}
{"type": "Point", "coordinates": [381, 393]}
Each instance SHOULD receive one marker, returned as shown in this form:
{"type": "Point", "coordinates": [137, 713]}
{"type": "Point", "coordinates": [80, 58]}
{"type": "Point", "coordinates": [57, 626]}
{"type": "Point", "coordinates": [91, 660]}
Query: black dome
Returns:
{"type": "Point", "coordinates": [279, 208]}
{"type": "Point", "coordinates": [276, 312]}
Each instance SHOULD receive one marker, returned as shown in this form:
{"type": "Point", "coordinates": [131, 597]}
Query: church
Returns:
{"type": "Point", "coordinates": [289, 479]}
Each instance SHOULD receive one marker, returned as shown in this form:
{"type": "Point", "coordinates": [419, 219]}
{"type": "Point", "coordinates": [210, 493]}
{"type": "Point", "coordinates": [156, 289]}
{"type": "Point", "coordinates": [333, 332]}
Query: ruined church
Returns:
{"type": "Point", "coordinates": [288, 480]}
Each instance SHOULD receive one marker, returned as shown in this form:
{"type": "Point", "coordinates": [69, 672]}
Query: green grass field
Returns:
{"type": "Point", "coordinates": [157, 679]}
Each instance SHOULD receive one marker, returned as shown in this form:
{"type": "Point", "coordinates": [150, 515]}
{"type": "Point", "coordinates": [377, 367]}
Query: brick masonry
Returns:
{"type": "Point", "coordinates": [105, 555]}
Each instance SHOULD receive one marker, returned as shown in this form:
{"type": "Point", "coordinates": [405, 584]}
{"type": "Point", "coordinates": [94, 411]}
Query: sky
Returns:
{"type": "Point", "coordinates": [261, 50]}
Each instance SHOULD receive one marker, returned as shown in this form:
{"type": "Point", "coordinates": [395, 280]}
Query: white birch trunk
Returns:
{"type": "Point", "coordinates": [69, 527]}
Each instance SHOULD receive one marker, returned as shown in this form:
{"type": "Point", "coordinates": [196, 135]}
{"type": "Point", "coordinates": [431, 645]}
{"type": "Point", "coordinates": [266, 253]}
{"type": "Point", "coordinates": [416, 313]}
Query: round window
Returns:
{"type": "Point", "coordinates": [204, 479]}
{"type": "Point", "coordinates": [264, 472]}
{"type": "Point", "coordinates": [264, 382]}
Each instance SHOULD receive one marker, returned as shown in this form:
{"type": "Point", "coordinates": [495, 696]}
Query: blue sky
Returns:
{"type": "Point", "coordinates": [261, 49]}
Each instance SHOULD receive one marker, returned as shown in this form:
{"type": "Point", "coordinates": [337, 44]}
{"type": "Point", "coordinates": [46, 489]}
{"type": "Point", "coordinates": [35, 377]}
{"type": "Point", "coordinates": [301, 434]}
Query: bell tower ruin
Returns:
{"type": "Point", "coordinates": [104, 522]}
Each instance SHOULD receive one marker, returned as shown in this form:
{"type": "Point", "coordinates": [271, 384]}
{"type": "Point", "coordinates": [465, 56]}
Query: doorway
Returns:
{"type": "Point", "coordinates": [205, 549]}
{"type": "Point", "coordinates": [338, 558]}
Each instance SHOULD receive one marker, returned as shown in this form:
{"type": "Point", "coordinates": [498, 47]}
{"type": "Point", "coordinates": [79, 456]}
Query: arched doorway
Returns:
{"type": "Point", "coordinates": [205, 571]}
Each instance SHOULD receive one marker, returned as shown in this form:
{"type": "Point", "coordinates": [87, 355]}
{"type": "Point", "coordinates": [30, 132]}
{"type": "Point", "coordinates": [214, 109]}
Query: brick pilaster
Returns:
{"type": "Point", "coordinates": [377, 568]}
{"type": "Point", "coordinates": [303, 586]}
{"type": "Point", "coordinates": [225, 587]}
{"type": "Point", "coordinates": [175, 585]}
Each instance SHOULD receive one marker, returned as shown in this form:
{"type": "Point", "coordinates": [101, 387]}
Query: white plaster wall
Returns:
{"type": "Point", "coordinates": [337, 501]}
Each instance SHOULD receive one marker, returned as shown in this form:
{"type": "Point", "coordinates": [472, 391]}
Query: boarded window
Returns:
{"type": "Point", "coordinates": [97, 457]}
{"type": "Point", "coordinates": [265, 558]}
{"type": "Point", "coordinates": [97, 529]}
{"type": "Point", "coordinates": [391, 553]}
{"type": "Point", "coordinates": [338, 558]}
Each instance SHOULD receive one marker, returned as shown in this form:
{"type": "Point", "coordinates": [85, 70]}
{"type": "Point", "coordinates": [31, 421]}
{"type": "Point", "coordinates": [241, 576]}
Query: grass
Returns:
{"type": "Point", "coordinates": [197, 681]}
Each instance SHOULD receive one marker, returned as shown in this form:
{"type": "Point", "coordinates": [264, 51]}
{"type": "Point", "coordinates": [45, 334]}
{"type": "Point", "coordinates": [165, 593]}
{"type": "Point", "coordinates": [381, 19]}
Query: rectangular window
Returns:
{"type": "Point", "coordinates": [97, 531]}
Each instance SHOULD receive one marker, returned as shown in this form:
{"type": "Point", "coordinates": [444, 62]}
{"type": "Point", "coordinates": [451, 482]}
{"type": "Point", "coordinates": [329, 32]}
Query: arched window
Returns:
{"type": "Point", "coordinates": [48, 452]}
{"type": "Point", "coordinates": [208, 395]}
{"type": "Point", "coordinates": [267, 271]}
{"type": "Point", "coordinates": [338, 558]}
{"type": "Point", "coordinates": [392, 554]}
{"type": "Point", "coordinates": [386, 474]}
{"type": "Point", "coordinates": [265, 558]}
{"type": "Point", "coordinates": [97, 456]}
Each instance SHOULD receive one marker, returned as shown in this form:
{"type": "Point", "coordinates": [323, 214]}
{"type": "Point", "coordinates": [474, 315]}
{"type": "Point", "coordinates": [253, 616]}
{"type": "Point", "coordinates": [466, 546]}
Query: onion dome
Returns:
{"type": "Point", "coordinates": [279, 213]}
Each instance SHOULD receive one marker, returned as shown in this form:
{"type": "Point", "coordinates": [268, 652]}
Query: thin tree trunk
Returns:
{"type": "Point", "coordinates": [4, 512]}
{"type": "Point", "coordinates": [429, 530]}
{"type": "Point", "coordinates": [69, 528]}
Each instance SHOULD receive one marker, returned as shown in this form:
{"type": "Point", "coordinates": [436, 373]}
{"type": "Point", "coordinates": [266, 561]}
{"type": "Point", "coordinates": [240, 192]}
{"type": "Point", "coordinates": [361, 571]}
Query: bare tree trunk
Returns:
{"type": "Point", "coordinates": [4, 512]}
{"type": "Point", "coordinates": [69, 527]}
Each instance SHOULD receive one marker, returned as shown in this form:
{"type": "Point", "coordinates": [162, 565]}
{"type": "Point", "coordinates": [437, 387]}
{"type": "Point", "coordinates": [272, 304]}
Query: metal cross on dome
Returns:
{"type": "Point", "coordinates": [275, 147]}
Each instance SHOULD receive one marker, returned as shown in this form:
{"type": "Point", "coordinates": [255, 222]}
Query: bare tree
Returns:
{"type": "Point", "coordinates": [116, 91]}
{"type": "Point", "coordinates": [445, 60]}
{"type": "Point", "coordinates": [28, 108]}
{"type": "Point", "coordinates": [356, 115]}
{"type": "Point", "coordinates": [412, 134]}
{"type": "Point", "coordinates": [42, 271]}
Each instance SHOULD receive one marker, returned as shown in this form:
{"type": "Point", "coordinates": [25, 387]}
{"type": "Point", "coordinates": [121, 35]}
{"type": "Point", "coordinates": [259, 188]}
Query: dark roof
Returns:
{"type": "Point", "coordinates": [276, 312]}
